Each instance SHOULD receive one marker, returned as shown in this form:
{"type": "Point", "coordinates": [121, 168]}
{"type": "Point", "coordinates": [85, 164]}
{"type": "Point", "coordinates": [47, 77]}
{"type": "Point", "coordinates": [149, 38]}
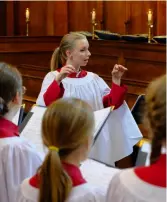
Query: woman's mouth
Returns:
{"type": "Point", "coordinates": [86, 60]}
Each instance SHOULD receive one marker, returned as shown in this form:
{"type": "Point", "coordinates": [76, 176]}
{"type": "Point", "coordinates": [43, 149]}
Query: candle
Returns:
{"type": "Point", "coordinates": [27, 13]}
{"type": "Point", "coordinates": [93, 15]}
{"type": "Point", "coordinates": [150, 14]}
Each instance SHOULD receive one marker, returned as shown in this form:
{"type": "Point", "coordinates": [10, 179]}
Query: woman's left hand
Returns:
{"type": "Point", "coordinates": [117, 73]}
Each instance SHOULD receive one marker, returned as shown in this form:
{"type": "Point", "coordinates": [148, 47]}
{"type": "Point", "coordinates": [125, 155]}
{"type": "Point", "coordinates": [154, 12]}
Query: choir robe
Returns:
{"type": "Point", "coordinates": [119, 133]}
{"type": "Point", "coordinates": [81, 191]}
{"type": "Point", "coordinates": [18, 160]}
{"type": "Point", "coordinates": [142, 184]}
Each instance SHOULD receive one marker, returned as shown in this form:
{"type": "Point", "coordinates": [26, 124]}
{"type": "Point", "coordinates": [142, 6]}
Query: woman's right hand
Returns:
{"type": "Point", "coordinates": [65, 71]}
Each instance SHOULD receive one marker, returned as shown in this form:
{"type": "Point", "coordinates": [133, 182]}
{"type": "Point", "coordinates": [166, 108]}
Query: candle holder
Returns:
{"type": "Point", "coordinates": [27, 14]}
{"type": "Point", "coordinates": [150, 25]}
{"type": "Point", "coordinates": [27, 27]}
{"type": "Point", "coordinates": [150, 33]}
{"type": "Point", "coordinates": [94, 23]}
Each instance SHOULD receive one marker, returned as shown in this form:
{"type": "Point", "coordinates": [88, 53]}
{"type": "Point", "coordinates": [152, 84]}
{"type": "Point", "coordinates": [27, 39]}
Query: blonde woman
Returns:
{"type": "Point", "coordinates": [67, 130]}
{"type": "Point", "coordinates": [67, 79]}
{"type": "Point", "coordinates": [147, 184]}
{"type": "Point", "coordinates": [18, 158]}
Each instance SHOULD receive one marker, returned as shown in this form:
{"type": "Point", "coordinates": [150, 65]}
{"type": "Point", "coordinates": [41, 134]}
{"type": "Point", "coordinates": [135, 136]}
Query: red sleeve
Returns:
{"type": "Point", "coordinates": [116, 96]}
{"type": "Point", "coordinates": [53, 93]}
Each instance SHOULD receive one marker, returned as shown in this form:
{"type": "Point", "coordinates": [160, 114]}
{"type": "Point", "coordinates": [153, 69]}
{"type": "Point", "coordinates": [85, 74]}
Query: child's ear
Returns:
{"type": "Point", "coordinates": [68, 53]}
{"type": "Point", "coordinates": [16, 99]}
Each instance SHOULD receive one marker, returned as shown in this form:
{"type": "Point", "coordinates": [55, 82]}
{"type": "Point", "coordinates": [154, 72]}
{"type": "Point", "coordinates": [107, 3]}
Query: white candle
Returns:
{"type": "Point", "coordinates": [93, 15]}
{"type": "Point", "coordinates": [27, 13]}
{"type": "Point", "coordinates": [150, 16]}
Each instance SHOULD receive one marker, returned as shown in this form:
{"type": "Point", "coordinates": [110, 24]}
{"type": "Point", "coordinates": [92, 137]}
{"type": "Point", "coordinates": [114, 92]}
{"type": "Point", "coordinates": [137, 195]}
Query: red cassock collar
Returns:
{"type": "Point", "coordinates": [154, 174]}
{"type": "Point", "coordinates": [72, 170]}
{"type": "Point", "coordinates": [80, 74]}
{"type": "Point", "coordinates": [8, 128]}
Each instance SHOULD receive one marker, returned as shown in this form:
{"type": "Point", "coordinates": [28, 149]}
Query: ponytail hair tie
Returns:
{"type": "Point", "coordinates": [53, 148]}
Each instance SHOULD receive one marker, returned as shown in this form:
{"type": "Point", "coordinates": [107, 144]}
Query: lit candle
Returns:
{"type": "Point", "coordinates": [93, 15]}
{"type": "Point", "coordinates": [150, 14]}
{"type": "Point", "coordinates": [27, 13]}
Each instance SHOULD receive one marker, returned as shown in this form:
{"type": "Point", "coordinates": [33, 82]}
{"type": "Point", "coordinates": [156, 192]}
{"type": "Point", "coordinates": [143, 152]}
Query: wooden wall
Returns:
{"type": "Point", "coordinates": [59, 17]}
{"type": "Point", "coordinates": [32, 56]}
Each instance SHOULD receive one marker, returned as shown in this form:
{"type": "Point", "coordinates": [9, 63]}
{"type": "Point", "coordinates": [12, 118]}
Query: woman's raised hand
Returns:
{"type": "Point", "coordinates": [65, 71]}
{"type": "Point", "coordinates": [117, 73]}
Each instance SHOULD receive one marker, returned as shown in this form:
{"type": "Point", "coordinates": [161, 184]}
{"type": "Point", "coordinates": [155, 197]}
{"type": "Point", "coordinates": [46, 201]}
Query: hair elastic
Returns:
{"type": "Point", "coordinates": [53, 148]}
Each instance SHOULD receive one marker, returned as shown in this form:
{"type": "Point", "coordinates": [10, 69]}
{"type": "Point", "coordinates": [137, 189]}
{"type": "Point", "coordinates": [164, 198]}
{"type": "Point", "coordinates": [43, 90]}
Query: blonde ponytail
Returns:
{"type": "Point", "coordinates": [55, 62]}
{"type": "Point", "coordinates": [55, 184]}
{"type": "Point", "coordinates": [67, 124]}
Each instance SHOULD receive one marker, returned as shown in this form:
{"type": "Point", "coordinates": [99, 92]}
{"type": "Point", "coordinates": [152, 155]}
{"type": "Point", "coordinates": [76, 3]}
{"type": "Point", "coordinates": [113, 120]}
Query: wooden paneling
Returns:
{"type": "Point", "coordinates": [3, 18]}
{"type": "Point", "coordinates": [32, 56]}
{"type": "Point", "coordinates": [38, 16]}
{"type": "Point", "coordinates": [46, 17]}
{"type": "Point", "coordinates": [139, 19]}
{"type": "Point", "coordinates": [161, 16]}
{"type": "Point", "coordinates": [28, 50]}
{"type": "Point", "coordinates": [59, 17]}
{"type": "Point", "coordinates": [115, 16]}
{"type": "Point", "coordinates": [10, 18]}
{"type": "Point", "coordinates": [79, 15]}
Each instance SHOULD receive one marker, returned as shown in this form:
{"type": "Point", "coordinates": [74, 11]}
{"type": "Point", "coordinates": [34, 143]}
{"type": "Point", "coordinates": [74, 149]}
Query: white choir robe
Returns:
{"type": "Point", "coordinates": [18, 160]}
{"type": "Point", "coordinates": [81, 193]}
{"type": "Point", "coordinates": [120, 132]}
{"type": "Point", "coordinates": [126, 186]}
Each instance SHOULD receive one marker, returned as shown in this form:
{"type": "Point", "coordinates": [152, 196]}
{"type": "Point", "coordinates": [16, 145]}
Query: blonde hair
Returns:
{"type": "Point", "coordinates": [156, 114]}
{"type": "Point", "coordinates": [67, 43]}
{"type": "Point", "coordinates": [67, 124]}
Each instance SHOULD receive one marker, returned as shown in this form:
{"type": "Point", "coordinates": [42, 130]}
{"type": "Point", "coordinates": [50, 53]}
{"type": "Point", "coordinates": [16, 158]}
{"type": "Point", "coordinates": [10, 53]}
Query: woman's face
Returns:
{"type": "Point", "coordinates": [80, 54]}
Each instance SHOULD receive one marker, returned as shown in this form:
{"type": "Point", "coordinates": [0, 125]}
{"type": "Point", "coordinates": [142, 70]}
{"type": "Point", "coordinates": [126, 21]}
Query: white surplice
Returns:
{"type": "Point", "coordinates": [18, 160]}
{"type": "Point", "coordinates": [119, 133]}
{"type": "Point", "coordinates": [126, 186]}
{"type": "Point", "coordinates": [81, 193]}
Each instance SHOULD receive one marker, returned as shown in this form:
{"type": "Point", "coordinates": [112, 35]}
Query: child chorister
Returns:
{"type": "Point", "coordinates": [18, 159]}
{"type": "Point", "coordinates": [147, 184]}
{"type": "Point", "coordinates": [67, 131]}
{"type": "Point", "coordinates": [67, 79]}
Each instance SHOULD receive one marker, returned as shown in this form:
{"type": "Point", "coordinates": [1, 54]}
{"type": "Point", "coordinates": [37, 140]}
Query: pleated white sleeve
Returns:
{"type": "Point", "coordinates": [49, 78]}
{"type": "Point", "coordinates": [18, 160]}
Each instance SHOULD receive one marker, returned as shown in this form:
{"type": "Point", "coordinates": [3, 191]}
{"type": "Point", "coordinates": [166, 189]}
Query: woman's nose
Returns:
{"type": "Point", "coordinates": [89, 54]}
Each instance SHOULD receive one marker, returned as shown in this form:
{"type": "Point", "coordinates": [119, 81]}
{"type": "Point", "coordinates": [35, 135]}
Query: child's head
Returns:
{"type": "Point", "coordinates": [67, 124]}
{"type": "Point", "coordinates": [156, 115]}
{"type": "Point", "coordinates": [10, 89]}
{"type": "Point", "coordinates": [73, 49]}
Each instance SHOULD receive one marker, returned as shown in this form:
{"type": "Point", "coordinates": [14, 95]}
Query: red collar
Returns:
{"type": "Point", "coordinates": [154, 174]}
{"type": "Point", "coordinates": [8, 129]}
{"type": "Point", "coordinates": [75, 174]}
{"type": "Point", "coordinates": [81, 74]}
{"type": "Point", "coordinates": [72, 170]}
